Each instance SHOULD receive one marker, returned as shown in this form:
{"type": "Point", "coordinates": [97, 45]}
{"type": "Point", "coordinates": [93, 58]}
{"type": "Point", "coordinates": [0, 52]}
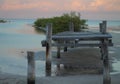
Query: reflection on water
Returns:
{"type": "Point", "coordinates": [16, 38]}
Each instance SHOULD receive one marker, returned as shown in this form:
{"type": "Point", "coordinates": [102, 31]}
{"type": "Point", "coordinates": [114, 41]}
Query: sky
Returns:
{"type": "Point", "coordinates": [89, 9]}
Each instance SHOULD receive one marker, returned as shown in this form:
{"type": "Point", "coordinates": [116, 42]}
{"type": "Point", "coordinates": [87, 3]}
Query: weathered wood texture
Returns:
{"type": "Point", "coordinates": [77, 61]}
{"type": "Point", "coordinates": [80, 36]}
{"type": "Point", "coordinates": [65, 48]}
{"type": "Point", "coordinates": [31, 68]}
{"type": "Point", "coordinates": [100, 26]}
{"type": "Point", "coordinates": [103, 27]}
{"type": "Point", "coordinates": [104, 53]}
{"type": "Point", "coordinates": [58, 52]}
{"type": "Point", "coordinates": [80, 45]}
{"type": "Point", "coordinates": [71, 26]}
{"type": "Point", "coordinates": [48, 49]}
{"type": "Point", "coordinates": [106, 66]}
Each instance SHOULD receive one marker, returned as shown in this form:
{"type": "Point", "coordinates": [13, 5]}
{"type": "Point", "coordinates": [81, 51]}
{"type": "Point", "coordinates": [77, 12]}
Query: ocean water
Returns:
{"type": "Point", "coordinates": [18, 36]}
{"type": "Point", "coordinates": [110, 23]}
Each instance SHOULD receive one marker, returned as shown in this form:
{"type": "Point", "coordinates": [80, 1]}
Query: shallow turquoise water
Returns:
{"type": "Point", "coordinates": [95, 23]}
{"type": "Point", "coordinates": [20, 40]}
{"type": "Point", "coordinates": [14, 40]}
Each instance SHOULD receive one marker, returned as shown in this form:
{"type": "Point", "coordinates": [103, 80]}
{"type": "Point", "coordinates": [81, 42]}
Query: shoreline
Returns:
{"type": "Point", "coordinates": [66, 79]}
{"type": "Point", "coordinates": [83, 79]}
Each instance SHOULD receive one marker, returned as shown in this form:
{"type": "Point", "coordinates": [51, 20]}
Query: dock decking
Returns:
{"type": "Point", "coordinates": [78, 61]}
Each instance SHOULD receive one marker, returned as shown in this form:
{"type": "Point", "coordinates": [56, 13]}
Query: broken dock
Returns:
{"type": "Point", "coordinates": [99, 41]}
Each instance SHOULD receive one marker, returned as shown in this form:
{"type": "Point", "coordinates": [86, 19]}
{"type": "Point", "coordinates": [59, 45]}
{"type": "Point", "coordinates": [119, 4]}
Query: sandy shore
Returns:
{"type": "Point", "coordinates": [80, 79]}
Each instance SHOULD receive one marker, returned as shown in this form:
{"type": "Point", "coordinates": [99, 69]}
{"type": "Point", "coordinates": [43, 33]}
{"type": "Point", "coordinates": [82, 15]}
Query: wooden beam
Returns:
{"type": "Point", "coordinates": [31, 68]}
{"type": "Point", "coordinates": [82, 37]}
{"type": "Point", "coordinates": [48, 49]}
{"type": "Point", "coordinates": [79, 45]}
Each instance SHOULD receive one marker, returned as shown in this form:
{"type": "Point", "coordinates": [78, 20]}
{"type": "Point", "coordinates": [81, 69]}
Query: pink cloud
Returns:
{"type": "Point", "coordinates": [70, 5]}
{"type": "Point", "coordinates": [41, 5]}
{"type": "Point", "coordinates": [106, 5]}
{"type": "Point", "coordinates": [78, 5]}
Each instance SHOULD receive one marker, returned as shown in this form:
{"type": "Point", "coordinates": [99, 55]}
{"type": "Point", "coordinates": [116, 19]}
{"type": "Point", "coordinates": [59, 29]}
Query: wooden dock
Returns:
{"type": "Point", "coordinates": [99, 41]}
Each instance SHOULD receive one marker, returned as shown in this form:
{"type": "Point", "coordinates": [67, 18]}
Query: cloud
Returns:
{"type": "Point", "coordinates": [21, 5]}
{"type": "Point", "coordinates": [48, 8]}
{"type": "Point", "coordinates": [53, 5]}
{"type": "Point", "coordinates": [106, 5]}
{"type": "Point", "coordinates": [95, 5]}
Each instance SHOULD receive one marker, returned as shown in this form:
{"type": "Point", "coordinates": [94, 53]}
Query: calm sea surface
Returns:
{"type": "Point", "coordinates": [18, 36]}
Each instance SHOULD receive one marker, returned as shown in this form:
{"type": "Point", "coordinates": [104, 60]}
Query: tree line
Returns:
{"type": "Point", "coordinates": [61, 23]}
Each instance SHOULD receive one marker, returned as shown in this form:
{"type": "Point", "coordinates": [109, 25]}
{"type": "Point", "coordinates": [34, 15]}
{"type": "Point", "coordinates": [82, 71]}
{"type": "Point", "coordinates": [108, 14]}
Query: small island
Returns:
{"type": "Point", "coordinates": [62, 23]}
{"type": "Point", "coordinates": [2, 21]}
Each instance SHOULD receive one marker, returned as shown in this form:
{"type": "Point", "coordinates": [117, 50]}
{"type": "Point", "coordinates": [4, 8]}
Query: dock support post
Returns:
{"type": "Point", "coordinates": [106, 66]}
{"type": "Point", "coordinates": [58, 52]}
{"type": "Point", "coordinates": [103, 27]}
{"type": "Point", "coordinates": [104, 54]}
{"type": "Point", "coordinates": [71, 27]}
{"type": "Point", "coordinates": [65, 48]}
{"type": "Point", "coordinates": [48, 49]}
{"type": "Point", "coordinates": [100, 26]}
{"type": "Point", "coordinates": [31, 68]}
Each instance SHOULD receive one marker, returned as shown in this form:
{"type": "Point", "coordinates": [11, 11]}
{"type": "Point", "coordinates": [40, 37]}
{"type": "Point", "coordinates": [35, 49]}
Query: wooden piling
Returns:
{"type": "Point", "coordinates": [106, 66]}
{"type": "Point", "coordinates": [104, 54]}
{"type": "Point", "coordinates": [100, 26]}
{"type": "Point", "coordinates": [31, 68]}
{"type": "Point", "coordinates": [101, 49]}
{"type": "Point", "coordinates": [58, 52]}
{"type": "Point", "coordinates": [65, 48]}
{"type": "Point", "coordinates": [71, 26]}
{"type": "Point", "coordinates": [104, 26]}
{"type": "Point", "coordinates": [48, 49]}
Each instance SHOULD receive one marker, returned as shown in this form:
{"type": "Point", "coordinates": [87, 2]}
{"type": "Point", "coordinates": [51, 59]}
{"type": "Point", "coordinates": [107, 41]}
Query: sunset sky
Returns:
{"type": "Point", "coordinates": [89, 9]}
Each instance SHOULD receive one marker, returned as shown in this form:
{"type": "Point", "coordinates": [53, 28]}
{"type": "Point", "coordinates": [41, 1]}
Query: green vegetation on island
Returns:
{"type": "Point", "coordinates": [61, 23]}
{"type": "Point", "coordinates": [2, 21]}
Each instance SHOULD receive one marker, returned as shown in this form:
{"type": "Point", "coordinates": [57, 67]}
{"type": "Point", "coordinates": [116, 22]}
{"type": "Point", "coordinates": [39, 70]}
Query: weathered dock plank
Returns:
{"type": "Point", "coordinates": [81, 36]}
{"type": "Point", "coordinates": [81, 59]}
{"type": "Point", "coordinates": [81, 44]}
